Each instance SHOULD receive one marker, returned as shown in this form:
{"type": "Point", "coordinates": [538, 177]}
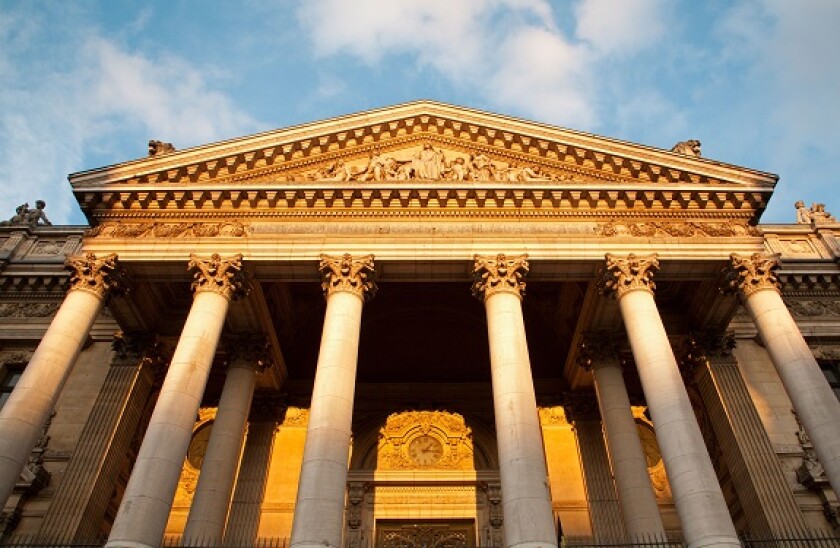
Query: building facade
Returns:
{"type": "Point", "coordinates": [323, 334]}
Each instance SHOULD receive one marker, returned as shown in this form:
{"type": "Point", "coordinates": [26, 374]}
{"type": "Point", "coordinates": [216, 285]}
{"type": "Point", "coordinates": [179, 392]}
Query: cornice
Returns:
{"type": "Point", "coordinates": [270, 200]}
{"type": "Point", "coordinates": [291, 149]}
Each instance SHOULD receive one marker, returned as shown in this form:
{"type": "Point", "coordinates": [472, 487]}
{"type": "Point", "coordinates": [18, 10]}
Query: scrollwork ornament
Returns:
{"type": "Point", "coordinates": [348, 273]}
{"type": "Point", "coordinates": [222, 276]}
{"type": "Point", "coordinates": [629, 274]}
{"type": "Point", "coordinates": [754, 273]}
{"type": "Point", "coordinates": [499, 274]}
{"type": "Point", "coordinates": [97, 276]}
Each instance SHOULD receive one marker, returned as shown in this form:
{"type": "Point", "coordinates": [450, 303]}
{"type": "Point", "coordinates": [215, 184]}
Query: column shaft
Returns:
{"type": "Point", "coordinates": [25, 414]}
{"type": "Point", "coordinates": [526, 502]}
{"type": "Point", "coordinates": [700, 504]}
{"type": "Point", "coordinates": [809, 391]}
{"type": "Point", "coordinates": [319, 509]}
{"type": "Point", "coordinates": [141, 519]}
{"type": "Point", "coordinates": [635, 494]}
{"type": "Point", "coordinates": [209, 509]}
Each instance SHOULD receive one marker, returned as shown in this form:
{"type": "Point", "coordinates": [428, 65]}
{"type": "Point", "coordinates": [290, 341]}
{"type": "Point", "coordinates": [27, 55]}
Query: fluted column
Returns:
{"type": "Point", "coordinates": [697, 495]}
{"type": "Point", "coordinates": [639, 508]}
{"type": "Point", "coordinates": [814, 401]}
{"type": "Point", "coordinates": [526, 502]}
{"type": "Point", "coordinates": [25, 414]}
{"type": "Point", "coordinates": [319, 509]}
{"type": "Point", "coordinates": [144, 510]}
{"type": "Point", "coordinates": [209, 509]}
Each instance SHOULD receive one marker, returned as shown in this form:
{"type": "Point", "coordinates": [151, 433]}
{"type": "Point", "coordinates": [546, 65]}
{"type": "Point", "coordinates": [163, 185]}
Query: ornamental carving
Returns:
{"type": "Point", "coordinates": [249, 349]}
{"type": "Point", "coordinates": [811, 308]}
{"type": "Point", "coordinates": [346, 273]}
{"type": "Point", "coordinates": [753, 273]}
{"type": "Point", "coordinates": [296, 416]}
{"type": "Point", "coordinates": [96, 276]}
{"type": "Point", "coordinates": [222, 276]}
{"type": "Point", "coordinates": [599, 347]}
{"type": "Point", "coordinates": [429, 163]}
{"type": "Point", "coordinates": [630, 274]}
{"type": "Point", "coordinates": [19, 357]}
{"type": "Point", "coordinates": [553, 416]}
{"type": "Point", "coordinates": [27, 310]}
{"type": "Point", "coordinates": [499, 274]}
{"type": "Point", "coordinates": [167, 230]}
{"type": "Point", "coordinates": [134, 349]}
{"type": "Point", "coordinates": [26, 216]}
{"type": "Point", "coordinates": [677, 229]}
{"type": "Point", "coordinates": [425, 440]}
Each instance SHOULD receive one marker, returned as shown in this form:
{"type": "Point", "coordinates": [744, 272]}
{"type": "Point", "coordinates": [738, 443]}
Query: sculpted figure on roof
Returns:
{"type": "Point", "coordinates": [688, 148]}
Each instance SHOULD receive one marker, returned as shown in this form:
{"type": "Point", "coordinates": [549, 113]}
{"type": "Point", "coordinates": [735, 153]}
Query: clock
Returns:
{"type": "Point", "coordinates": [425, 450]}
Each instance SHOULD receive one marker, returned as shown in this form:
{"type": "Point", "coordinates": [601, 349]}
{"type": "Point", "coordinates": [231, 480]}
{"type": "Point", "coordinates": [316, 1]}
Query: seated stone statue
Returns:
{"type": "Point", "coordinates": [689, 148]}
{"type": "Point", "coordinates": [159, 147]}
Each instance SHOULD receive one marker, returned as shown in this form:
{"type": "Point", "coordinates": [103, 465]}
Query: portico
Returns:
{"type": "Point", "coordinates": [468, 325]}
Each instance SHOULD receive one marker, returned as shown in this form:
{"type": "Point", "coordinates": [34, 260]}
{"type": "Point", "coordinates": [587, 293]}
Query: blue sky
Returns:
{"type": "Point", "coordinates": [87, 84]}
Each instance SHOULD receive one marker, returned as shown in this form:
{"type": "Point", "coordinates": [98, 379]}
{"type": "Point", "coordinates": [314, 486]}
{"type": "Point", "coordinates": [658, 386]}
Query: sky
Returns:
{"type": "Point", "coordinates": [86, 84]}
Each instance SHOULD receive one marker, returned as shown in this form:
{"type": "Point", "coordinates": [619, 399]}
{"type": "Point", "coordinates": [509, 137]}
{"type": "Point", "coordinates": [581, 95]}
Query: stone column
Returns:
{"type": "Point", "coordinates": [81, 498]}
{"type": "Point", "coordinates": [814, 401]}
{"type": "Point", "coordinates": [766, 497]}
{"type": "Point", "coordinates": [28, 408]}
{"type": "Point", "coordinates": [526, 502]}
{"type": "Point", "coordinates": [700, 504]}
{"type": "Point", "coordinates": [642, 519]}
{"type": "Point", "coordinates": [144, 510]}
{"type": "Point", "coordinates": [209, 509]}
{"type": "Point", "coordinates": [319, 509]}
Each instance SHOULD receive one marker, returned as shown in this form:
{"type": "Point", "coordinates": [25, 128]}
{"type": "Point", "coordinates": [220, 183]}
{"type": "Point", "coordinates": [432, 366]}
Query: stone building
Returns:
{"type": "Point", "coordinates": [322, 333]}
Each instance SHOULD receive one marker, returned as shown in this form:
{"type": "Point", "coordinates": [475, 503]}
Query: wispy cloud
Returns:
{"type": "Point", "coordinates": [56, 113]}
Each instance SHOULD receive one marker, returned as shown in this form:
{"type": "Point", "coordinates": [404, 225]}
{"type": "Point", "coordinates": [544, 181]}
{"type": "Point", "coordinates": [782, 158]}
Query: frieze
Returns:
{"type": "Point", "coordinates": [168, 230]}
{"type": "Point", "coordinates": [28, 310]}
{"type": "Point", "coordinates": [813, 308]}
{"type": "Point", "coordinates": [17, 357]}
{"type": "Point", "coordinates": [677, 229]}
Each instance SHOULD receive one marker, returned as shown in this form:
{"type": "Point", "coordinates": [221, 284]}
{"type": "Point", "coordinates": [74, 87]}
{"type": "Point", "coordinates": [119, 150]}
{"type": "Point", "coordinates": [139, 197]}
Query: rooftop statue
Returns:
{"type": "Point", "coordinates": [688, 148]}
{"type": "Point", "coordinates": [816, 214]}
{"type": "Point", "coordinates": [25, 216]}
{"type": "Point", "coordinates": [159, 147]}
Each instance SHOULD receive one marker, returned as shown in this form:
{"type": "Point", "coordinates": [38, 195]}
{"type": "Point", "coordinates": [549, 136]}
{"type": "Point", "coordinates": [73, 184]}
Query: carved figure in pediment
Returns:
{"type": "Point", "coordinates": [339, 171]}
{"type": "Point", "coordinates": [533, 173]}
{"type": "Point", "coordinates": [482, 168]}
{"type": "Point", "coordinates": [458, 170]}
{"type": "Point", "coordinates": [688, 148]}
{"type": "Point", "coordinates": [429, 163]}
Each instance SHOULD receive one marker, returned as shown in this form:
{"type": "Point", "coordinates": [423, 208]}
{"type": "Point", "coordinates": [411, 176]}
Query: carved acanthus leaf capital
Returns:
{"type": "Point", "coordinates": [222, 276]}
{"type": "Point", "coordinates": [599, 348]}
{"type": "Point", "coordinates": [700, 347]}
{"type": "Point", "coordinates": [134, 349]}
{"type": "Point", "coordinates": [97, 276]}
{"type": "Point", "coordinates": [629, 274]}
{"type": "Point", "coordinates": [499, 274]}
{"type": "Point", "coordinates": [754, 273]}
{"type": "Point", "coordinates": [347, 273]}
{"type": "Point", "coordinates": [249, 350]}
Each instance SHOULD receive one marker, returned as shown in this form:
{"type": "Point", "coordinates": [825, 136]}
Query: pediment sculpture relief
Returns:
{"type": "Point", "coordinates": [426, 162]}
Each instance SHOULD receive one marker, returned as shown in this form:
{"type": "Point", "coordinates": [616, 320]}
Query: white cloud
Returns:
{"type": "Point", "coordinates": [81, 93]}
{"type": "Point", "coordinates": [620, 28]}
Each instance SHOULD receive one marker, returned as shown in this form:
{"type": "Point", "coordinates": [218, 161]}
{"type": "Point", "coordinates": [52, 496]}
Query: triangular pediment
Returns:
{"type": "Point", "coordinates": [433, 145]}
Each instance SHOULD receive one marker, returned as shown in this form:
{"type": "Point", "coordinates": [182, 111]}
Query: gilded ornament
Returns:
{"type": "Point", "coordinates": [222, 276]}
{"type": "Point", "coordinates": [425, 439]}
{"type": "Point", "coordinates": [346, 273]}
{"type": "Point", "coordinates": [753, 273]}
{"type": "Point", "coordinates": [95, 276]}
{"type": "Point", "coordinates": [499, 274]}
{"type": "Point", "coordinates": [629, 274]}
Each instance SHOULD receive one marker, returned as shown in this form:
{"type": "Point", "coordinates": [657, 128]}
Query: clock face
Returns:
{"type": "Point", "coordinates": [425, 450]}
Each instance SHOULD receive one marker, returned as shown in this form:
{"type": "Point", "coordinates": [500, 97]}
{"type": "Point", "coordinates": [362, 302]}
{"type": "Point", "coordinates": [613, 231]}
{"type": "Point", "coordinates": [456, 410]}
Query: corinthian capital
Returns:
{"type": "Point", "coordinates": [499, 274]}
{"type": "Point", "coordinates": [753, 273]}
{"type": "Point", "coordinates": [629, 274]}
{"type": "Point", "coordinates": [96, 276]}
{"type": "Point", "coordinates": [222, 276]}
{"type": "Point", "coordinates": [345, 273]}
